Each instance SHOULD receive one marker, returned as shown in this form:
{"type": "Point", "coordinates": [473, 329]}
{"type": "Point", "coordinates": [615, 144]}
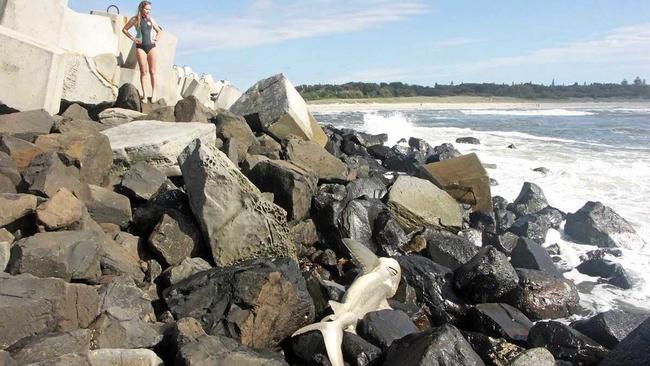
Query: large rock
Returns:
{"type": "Point", "coordinates": [67, 125]}
{"type": "Point", "coordinates": [106, 357]}
{"type": "Point", "coordinates": [614, 273]}
{"type": "Point", "coordinates": [15, 206]}
{"type": "Point", "coordinates": [163, 114]}
{"type": "Point", "coordinates": [9, 169]}
{"type": "Point", "coordinates": [434, 347]}
{"type": "Point", "coordinates": [183, 270]}
{"type": "Point", "coordinates": [52, 346]}
{"type": "Point", "coordinates": [6, 240]}
{"type": "Point", "coordinates": [499, 320]}
{"type": "Point", "coordinates": [530, 200]}
{"type": "Point", "coordinates": [597, 224]}
{"type": "Point", "coordinates": [227, 96]}
{"type": "Point", "coordinates": [292, 186]}
{"type": "Point", "coordinates": [61, 211]}
{"type": "Point", "coordinates": [633, 350]}
{"type": "Point", "coordinates": [26, 125]}
{"type": "Point", "coordinates": [611, 327]}
{"type": "Point", "coordinates": [231, 126]}
{"type": "Point", "coordinates": [465, 179]}
{"type": "Point", "coordinates": [540, 295]}
{"type": "Point", "coordinates": [128, 97]}
{"type": "Point", "coordinates": [493, 351]}
{"type": "Point", "coordinates": [273, 105]}
{"type": "Point", "coordinates": [528, 254]}
{"type": "Point", "coordinates": [487, 277]}
{"type": "Point", "coordinates": [156, 143]}
{"type": "Point", "coordinates": [383, 327]}
{"type": "Point", "coordinates": [175, 238]}
{"type": "Point", "coordinates": [535, 356]}
{"type": "Point", "coordinates": [36, 84]}
{"type": "Point", "coordinates": [566, 343]}
{"type": "Point", "coordinates": [236, 220]}
{"type": "Point", "coordinates": [112, 117]}
{"type": "Point", "coordinates": [532, 227]}
{"type": "Point", "coordinates": [47, 173]}
{"type": "Point", "coordinates": [20, 151]}
{"type": "Point", "coordinates": [447, 249]}
{"type": "Point", "coordinates": [417, 203]}
{"type": "Point", "coordinates": [433, 287]}
{"type": "Point", "coordinates": [195, 347]}
{"type": "Point", "coordinates": [141, 182]}
{"type": "Point", "coordinates": [259, 302]}
{"type": "Point", "coordinates": [76, 111]}
{"type": "Point", "coordinates": [309, 155]}
{"type": "Point", "coordinates": [31, 306]}
{"type": "Point", "coordinates": [69, 255]}
{"type": "Point", "coordinates": [91, 150]}
{"type": "Point", "coordinates": [191, 109]}
{"type": "Point", "coordinates": [106, 206]}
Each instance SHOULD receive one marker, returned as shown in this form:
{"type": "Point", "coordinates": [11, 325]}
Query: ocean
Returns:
{"type": "Point", "coordinates": [592, 154]}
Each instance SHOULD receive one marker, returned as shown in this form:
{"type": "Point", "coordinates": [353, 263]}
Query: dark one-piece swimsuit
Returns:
{"type": "Point", "coordinates": [144, 35]}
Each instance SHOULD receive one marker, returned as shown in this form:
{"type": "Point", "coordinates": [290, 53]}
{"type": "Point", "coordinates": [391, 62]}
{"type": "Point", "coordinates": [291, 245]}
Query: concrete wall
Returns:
{"type": "Point", "coordinates": [87, 34]}
{"type": "Point", "coordinates": [42, 20]}
{"type": "Point", "coordinates": [31, 74]}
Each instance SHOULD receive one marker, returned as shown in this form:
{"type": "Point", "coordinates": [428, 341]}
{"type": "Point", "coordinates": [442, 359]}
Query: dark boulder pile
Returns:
{"type": "Point", "coordinates": [216, 239]}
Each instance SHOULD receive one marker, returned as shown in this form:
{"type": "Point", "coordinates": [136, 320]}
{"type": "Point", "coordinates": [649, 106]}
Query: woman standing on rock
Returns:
{"type": "Point", "coordinates": [145, 44]}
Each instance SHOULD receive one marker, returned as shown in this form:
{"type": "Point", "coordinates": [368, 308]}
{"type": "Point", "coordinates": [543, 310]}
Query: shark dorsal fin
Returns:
{"type": "Point", "coordinates": [363, 257]}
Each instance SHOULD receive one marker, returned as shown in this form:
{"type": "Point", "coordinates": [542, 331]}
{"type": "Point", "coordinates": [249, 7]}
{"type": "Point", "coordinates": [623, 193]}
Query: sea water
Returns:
{"type": "Point", "coordinates": [592, 154]}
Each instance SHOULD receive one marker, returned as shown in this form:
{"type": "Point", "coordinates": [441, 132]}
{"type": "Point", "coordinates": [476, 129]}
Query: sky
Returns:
{"type": "Point", "coordinates": [413, 41]}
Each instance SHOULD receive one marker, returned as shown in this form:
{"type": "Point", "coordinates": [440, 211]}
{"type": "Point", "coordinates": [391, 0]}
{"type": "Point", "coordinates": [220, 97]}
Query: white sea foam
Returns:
{"type": "Point", "coordinates": [579, 173]}
{"type": "Point", "coordinates": [526, 112]}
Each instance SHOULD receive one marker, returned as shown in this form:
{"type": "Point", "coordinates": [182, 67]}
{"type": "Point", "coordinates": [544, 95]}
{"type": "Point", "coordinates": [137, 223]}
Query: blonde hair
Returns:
{"type": "Point", "coordinates": [139, 15]}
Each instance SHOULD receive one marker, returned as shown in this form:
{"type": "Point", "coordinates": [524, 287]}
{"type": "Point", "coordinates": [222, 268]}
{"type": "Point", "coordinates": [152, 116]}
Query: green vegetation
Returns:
{"type": "Point", "coordinates": [638, 89]}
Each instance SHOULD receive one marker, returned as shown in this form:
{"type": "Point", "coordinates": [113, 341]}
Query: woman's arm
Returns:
{"type": "Point", "coordinates": [156, 28]}
{"type": "Point", "coordinates": [126, 28]}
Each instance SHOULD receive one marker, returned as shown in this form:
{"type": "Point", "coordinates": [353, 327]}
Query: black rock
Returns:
{"type": "Point", "coordinates": [468, 140]}
{"type": "Point", "coordinates": [540, 295]}
{"type": "Point", "coordinates": [487, 277]}
{"type": "Point", "coordinates": [128, 97]}
{"type": "Point", "coordinates": [327, 258]}
{"type": "Point", "coordinates": [504, 220]}
{"type": "Point", "coordinates": [308, 348]}
{"type": "Point", "coordinates": [499, 203]}
{"type": "Point", "coordinates": [359, 352]}
{"type": "Point", "coordinates": [366, 139]}
{"type": "Point", "coordinates": [243, 301]}
{"type": "Point", "coordinates": [633, 350]}
{"type": "Point", "coordinates": [620, 278]}
{"type": "Point", "coordinates": [499, 320]}
{"type": "Point", "coordinates": [483, 222]}
{"type": "Point", "coordinates": [600, 267]}
{"type": "Point", "coordinates": [327, 204]}
{"type": "Point", "coordinates": [357, 219]}
{"type": "Point", "coordinates": [350, 147]}
{"type": "Point", "coordinates": [566, 343]}
{"type": "Point", "coordinates": [146, 217]}
{"type": "Point", "coordinates": [505, 243]}
{"type": "Point", "coordinates": [383, 327]}
{"type": "Point", "coordinates": [447, 249]}
{"type": "Point", "coordinates": [433, 286]}
{"type": "Point", "coordinates": [530, 200]}
{"type": "Point", "coordinates": [442, 346]}
{"type": "Point", "coordinates": [141, 182]}
{"type": "Point", "coordinates": [373, 187]}
{"type": "Point", "coordinates": [528, 254]}
{"type": "Point", "coordinates": [552, 215]}
{"type": "Point", "coordinates": [493, 351]}
{"type": "Point", "coordinates": [597, 224]}
{"type": "Point", "coordinates": [553, 249]}
{"type": "Point", "coordinates": [512, 146]}
{"type": "Point", "coordinates": [388, 235]}
{"type": "Point", "coordinates": [381, 152]}
{"type": "Point", "coordinates": [443, 152]}
{"type": "Point", "coordinates": [532, 227]}
{"type": "Point", "coordinates": [610, 327]}
{"type": "Point", "coordinates": [5, 109]}
{"type": "Point", "coordinates": [600, 253]}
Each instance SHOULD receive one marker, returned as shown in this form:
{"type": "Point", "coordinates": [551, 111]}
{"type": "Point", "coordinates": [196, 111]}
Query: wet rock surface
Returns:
{"type": "Point", "coordinates": [565, 343]}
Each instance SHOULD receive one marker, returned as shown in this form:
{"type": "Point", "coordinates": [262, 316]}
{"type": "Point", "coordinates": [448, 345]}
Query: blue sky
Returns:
{"type": "Point", "coordinates": [414, 41]}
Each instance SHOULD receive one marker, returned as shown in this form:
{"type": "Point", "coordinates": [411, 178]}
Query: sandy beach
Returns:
{"type": "Point", "coordinates": [463, 103]}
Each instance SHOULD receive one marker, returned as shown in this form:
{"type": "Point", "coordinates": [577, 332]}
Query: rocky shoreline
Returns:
{"type": "Point", "coordinates": [193, 236]}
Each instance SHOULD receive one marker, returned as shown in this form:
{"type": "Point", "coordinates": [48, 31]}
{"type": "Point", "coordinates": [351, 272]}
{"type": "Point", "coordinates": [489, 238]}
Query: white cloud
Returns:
{"type": "Point", "coordinates": [621, 47]}
{"type": "Point", "coordinates": [270, 22]}
{"type": "Point", "coordinates": [453, 42]}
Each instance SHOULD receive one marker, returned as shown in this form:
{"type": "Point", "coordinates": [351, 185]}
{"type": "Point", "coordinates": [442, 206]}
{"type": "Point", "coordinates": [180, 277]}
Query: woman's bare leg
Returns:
{"type": "Point", "coordinates": [141, 56]}
{"type": "Point", "coordinates": [152, 59]}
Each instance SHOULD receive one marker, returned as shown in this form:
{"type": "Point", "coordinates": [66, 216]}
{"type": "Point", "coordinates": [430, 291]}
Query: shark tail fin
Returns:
{"type": "Point", "coordinates": [332, 336]}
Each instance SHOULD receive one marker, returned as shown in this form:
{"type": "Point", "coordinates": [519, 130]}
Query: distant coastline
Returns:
{"type": "Point", "coordinates": [469, 102]}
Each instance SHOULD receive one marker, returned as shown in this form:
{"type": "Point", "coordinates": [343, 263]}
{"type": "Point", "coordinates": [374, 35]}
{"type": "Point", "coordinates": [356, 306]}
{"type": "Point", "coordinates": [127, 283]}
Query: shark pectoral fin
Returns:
{"type": "Point", "coordinates": [361, 256]}
{"type": "Point", "coordinates": [384, 305]}
{"type": "Point", "coordinates": [337, 307]}
{"type": "Point", "coordinates": [332, 337]}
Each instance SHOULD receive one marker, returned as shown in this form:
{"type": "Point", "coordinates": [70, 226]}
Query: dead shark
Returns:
{"type": "Point", "coordinates": [369, 292]}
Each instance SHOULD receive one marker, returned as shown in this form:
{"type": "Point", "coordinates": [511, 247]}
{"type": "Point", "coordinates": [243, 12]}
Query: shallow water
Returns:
{"type": "Point", "coordinates": [592, 154]}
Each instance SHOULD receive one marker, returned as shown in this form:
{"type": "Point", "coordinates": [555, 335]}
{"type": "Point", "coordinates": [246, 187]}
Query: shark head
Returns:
{"type": "Point", "coordinates": [394, 271]}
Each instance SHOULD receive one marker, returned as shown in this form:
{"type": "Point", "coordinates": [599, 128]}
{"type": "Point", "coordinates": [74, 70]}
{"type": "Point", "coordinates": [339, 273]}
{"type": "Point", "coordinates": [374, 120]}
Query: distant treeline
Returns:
{"type": "Point", "coordinates": [627, 90]}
